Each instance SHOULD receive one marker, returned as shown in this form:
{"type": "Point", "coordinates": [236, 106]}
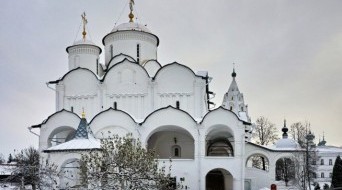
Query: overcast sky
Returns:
{"type": "Point", "coordinates": [288, 55]}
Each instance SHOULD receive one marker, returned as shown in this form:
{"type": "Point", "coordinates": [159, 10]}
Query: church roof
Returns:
{"type": "Point", "coordinates": [75, 145]}
{"type": "Point", "coordinates": [131, 26]}
{"type": "Point", "coordinates": [233, 86]}
{"type": "Point", "coordinates": [84, 42]}
{"type": "Point", "coordinates": [81, 132]}
{"type": "Point", "coordinates": [286, 144]}
{"type": "Point", "coordinates": [81, 141]}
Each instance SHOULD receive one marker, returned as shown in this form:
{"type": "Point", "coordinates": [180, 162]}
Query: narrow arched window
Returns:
{"type": "Point", "coordinates": [322, 175]}
{"type": "Point", "coordinates": [177, 104]}
{"type": "Point", "coordinates": [176, 151]}
{"type": "Point", "coordinates": [115, 105]}
{"type": "Point", "coordinates": [97, 66]}
{"type": "Point", "coordinates": [138, 53]}
{"type": "Point", "coordinates": [72, 109]}
{"type": "Point", "coordinates": [111, 51]}
{"type": "Point", "coordinates": [231, 108]}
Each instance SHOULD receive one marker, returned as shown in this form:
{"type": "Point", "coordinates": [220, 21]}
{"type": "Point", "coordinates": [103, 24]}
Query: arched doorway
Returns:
{"type": "Point", "coordinates": [218, 179]}
{"type": "Point", "coordinates": [70, 174]}
{"type": "Point", "coordinates": [285, 170]}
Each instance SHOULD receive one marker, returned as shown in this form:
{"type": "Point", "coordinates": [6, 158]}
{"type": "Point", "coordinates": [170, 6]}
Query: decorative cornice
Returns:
{"type": "Point", "coordinates": [129, 35]}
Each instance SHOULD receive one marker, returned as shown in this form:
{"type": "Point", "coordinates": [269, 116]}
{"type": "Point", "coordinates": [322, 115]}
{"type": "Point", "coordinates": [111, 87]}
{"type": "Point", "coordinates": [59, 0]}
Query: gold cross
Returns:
{"type": "Point", "coordinates": [85, 21]}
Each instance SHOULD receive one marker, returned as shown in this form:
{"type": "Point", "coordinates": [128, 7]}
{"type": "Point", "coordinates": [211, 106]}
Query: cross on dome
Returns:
{"type": "Point", "coordinates": [234, 73]}
{"type": "Point", "coordinates": [131, 15]}
{"type": "Point", "coordinates": [85, 21]}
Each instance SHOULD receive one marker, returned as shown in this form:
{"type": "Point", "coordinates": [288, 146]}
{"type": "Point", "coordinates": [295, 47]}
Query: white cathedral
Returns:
{"type": "Point", "coordinates": [166, 107]}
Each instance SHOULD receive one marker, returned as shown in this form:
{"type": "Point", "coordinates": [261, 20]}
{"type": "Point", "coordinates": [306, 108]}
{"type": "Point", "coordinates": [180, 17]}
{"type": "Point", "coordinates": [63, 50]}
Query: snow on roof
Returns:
{"type": "Point", "coordinates": [131, 26]}
{"type": "Point", "coordinates": [6, 169]}
{"type": "Point", "coordinates": [329, 149]}
{"type": "Point", "coordinates": [76, 144]}
{"type": "Point", "coordinates": [243, 116]}
{"type": "Point", "coordinates": [83, 42]}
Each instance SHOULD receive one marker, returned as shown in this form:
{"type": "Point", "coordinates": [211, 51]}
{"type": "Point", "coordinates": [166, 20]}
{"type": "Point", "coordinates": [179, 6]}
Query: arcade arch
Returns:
{"type": "Point", "coordinates": [172, 142]}
{"type": "Point", "coordinates": [60, 135]}
{"type": "Point", "coordinates": [220, 141]}
{"type": "Point", "coordinates": [69, 174]}
{"type": "Point", "coordinates": [258, 161]}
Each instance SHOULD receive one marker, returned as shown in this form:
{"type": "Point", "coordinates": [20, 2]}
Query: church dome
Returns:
{"type": "Point", "coordinates": [131, 26]}
{"type": "Point", "coordinates": [287, 143]}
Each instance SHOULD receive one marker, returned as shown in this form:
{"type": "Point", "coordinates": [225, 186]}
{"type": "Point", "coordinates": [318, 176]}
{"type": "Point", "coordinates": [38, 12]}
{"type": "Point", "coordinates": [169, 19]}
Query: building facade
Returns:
{"type": "Point", "coordinates": [166, 107]}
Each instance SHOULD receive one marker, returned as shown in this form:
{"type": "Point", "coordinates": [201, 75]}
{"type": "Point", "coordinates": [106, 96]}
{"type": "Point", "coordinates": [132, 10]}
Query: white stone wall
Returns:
{"type": "Point", "coordinates": [126, 42]}
{"type": "Point", "coordinates": [134, 91]}
{"type": "Point", "coordinates": [166, 124]}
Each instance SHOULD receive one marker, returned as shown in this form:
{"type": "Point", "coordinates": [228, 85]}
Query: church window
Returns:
{"type": "Point", "coordinates": [177, 104]}
{"type": "Point", "coordinates": [322, 175]}
{"type": "Point", "coordinates": [138, 52]}
{"type": "Point", "coordinates": [322, 161]}
{"type": "Point", "coordinates": [232, 98]}
{"type": "Point", "coordinates": [115, 105]}
{"type": "Point", "coordinates": [97, 66]}
{"type": "Point", "coordinates": [241, 108]}
{"type": "Point", "coordinates": [176, 151]}
{"type": "Point", "coordinates": [231, 108]}
{"type": "Point", "coordinates": [111, 51]}
{"type": "Point", "coordinates": [330, 162]}
{"type": "Point", "coordinates": [72, 109]}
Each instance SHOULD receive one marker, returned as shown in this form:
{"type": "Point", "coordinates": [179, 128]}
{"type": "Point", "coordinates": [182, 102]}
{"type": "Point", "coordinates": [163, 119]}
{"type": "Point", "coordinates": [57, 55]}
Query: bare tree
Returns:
{"type": "Point", "coordinates": [265, 132]}
{"type": "Point", "coordinates": [123, 163]}
{"type": "Point", "coordinates": [2, 159]}
{"type": "Point", "coordinates": [298, 131]}
{"type": "Point", "coordinates": [28, 170]}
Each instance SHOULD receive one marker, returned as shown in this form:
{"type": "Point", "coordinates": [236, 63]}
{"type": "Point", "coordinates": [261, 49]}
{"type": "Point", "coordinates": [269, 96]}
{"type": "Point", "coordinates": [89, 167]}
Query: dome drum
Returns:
{"type": "Point", "coordinates": [85, 56]}
{"type": "Point", "coordinates": [140, 45]}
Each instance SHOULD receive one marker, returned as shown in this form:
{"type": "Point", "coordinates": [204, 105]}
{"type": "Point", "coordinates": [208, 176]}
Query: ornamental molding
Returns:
{"type": "Point", "coordinates": [129, 35]}
{"type": "Point", "coordinates": [81, 96]}
{"type": "Point", "coordinates": [175, 94]}
{"type": "Point", "coordinates": [126, 95]}
{"type": "Point", "coordinates": [84, 50]}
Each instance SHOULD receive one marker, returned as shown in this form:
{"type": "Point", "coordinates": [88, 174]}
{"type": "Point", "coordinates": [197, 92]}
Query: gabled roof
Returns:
{"type": "Point", "coordinates": [110, 109]}
{"type": "Point", "coordinates": [122, 62]}
{"type": "Point", "coordinates": [165, 108]}
{"type": "Point", "coordinates": [47, 119]}
{"type": "Point", "coordinates": [175, 63]}
{"type": "Point", "coordinates": [121, 54]}
{"type": "Point", "coordinates": [244, 122]}
{"type": "Point", "coordinates": [71, 71]}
